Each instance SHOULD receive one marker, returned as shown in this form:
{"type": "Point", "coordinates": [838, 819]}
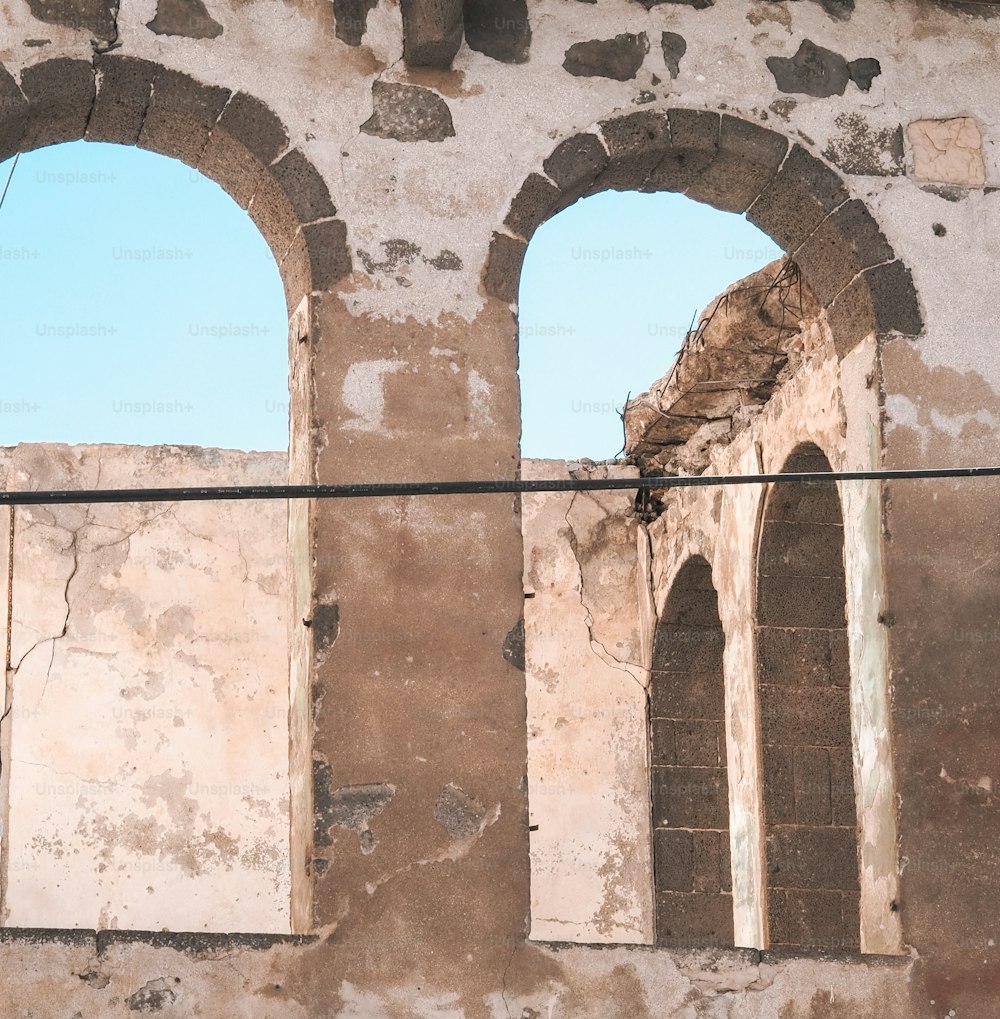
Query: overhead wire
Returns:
{"type": "Point", "coordinates": [502, 486]}
{"type": "Point", "coordinates": [10, 177]}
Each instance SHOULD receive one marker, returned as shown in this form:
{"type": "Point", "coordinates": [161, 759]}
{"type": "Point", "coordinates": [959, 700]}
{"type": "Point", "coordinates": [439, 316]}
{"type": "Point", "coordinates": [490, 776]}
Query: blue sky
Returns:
{"type": "Point", "coordinates": [141, 305]}
{"type": "Point", "coordinates": [608, 290]}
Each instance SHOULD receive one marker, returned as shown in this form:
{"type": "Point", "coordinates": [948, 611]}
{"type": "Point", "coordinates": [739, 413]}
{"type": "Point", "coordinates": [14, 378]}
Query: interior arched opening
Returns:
{"type": "Point", "coordinates": [688, 766]}
{"type": "Point", "coordinates": [810, 816]}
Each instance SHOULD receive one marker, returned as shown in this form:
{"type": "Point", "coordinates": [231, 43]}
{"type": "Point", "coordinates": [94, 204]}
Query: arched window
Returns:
{"type": "Point", "coordinates": [810, 821]}
{"type": "Point", "coordinates": [687, 733]}
{"type": "Point", "coordinates": [145, 747]}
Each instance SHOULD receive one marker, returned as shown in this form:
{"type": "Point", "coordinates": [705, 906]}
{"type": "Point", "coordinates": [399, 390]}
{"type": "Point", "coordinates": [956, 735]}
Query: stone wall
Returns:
{"type": "Point", "coordinates": [398, 160]}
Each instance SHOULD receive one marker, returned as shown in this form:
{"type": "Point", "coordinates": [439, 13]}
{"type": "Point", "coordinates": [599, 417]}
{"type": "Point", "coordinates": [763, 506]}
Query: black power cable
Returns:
{"type": "Point", "coordinates": [376, 490]}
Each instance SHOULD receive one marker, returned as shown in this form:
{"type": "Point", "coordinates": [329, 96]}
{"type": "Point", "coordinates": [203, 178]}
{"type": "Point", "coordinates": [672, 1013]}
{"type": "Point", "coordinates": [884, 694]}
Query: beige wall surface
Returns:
{"type": "Point", "coordinates": [147, 751]}
{"type": "Point", "coordinates": [399, 199]}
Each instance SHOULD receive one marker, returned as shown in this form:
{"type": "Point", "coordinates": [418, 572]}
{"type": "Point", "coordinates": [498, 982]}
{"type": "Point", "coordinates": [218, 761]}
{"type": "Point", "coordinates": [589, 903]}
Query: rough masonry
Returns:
{"type": "Point", "coordinates": [398, 158]}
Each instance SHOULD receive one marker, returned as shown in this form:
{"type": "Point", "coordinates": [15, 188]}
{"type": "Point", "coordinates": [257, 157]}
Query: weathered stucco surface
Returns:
{"type": "Point", "coordinates": [586, 688]}
{"type": "Point", "coordinates": [146, 758]}
{"type": "Point", "coordinates": [409, 252]}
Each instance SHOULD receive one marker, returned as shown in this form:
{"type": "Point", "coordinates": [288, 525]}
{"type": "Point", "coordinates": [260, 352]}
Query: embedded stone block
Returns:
{"type": "Point", "coordinates": [804, 549]}
{"type": "Point", "coordinates": [802, 656]}
{"type": "Point", "coordinates": [187, 18]}
{"type": "Point", "coordinates": [947, 151]}
{"type": "Point", "coordinates": [700, 743]}
{"type": "Point", "coordinates": [812, 786]}
{"type": "Point", "coordinates": [690, 798]}
{"type": "Point", "coordinates": [432, 32]}
{"type": "Point", "coordinates": [673, 860]}
{"type": "Point", "coordinates": [814, 918]}
{"type": "Point", "coordinates": [712, 871]}
{"type": "Point", "coordinates": [408, 113]}
{"type": "Point", "coordinates": [805, 717]}
{"type": "Point", "coordinates": [662, 742]}
{"type": "Point", "coordinates": [802, 601]}
{"type": "Point", "coordinates": [696, 919]}
{"type": "Point", "coordinates": [688, 649]}
{"type": "Point", "coordinates": [799, 856]}
{"type": "Point", "coordinates": [779, 785]}
{"type": "Point", "coordinates": [498, 28]}
{"type": "Point", "coordinates": [619, 58]}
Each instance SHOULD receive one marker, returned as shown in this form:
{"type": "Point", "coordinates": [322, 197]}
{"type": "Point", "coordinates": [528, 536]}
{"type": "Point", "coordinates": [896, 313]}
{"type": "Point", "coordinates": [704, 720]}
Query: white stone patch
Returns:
{"type": "Point", "coordinates": [363, 392]}
{"type": "Point", "coordinates": [480, 400]}
{"type": "Point", "coordinates": [948, 151]}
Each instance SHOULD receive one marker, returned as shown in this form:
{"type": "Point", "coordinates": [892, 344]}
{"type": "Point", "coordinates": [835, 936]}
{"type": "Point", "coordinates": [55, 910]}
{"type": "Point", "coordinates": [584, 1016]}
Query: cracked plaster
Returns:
{"type": "Point", "coordinates": [140, 633]}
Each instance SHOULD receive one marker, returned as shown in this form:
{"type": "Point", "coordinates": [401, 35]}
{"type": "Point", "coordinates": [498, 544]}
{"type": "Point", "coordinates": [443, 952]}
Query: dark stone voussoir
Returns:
{"type": "Point", "coordinates": [576, 162]}
{"type": "Point", "coordinates": [636, 145]}
{"type": "Point", "coordinates": [801, 194]}
{"type": "Point", "coordinates": [124, 88]}
{"type": "Point", "coordinates": [894, 299]}
{"type": "Point", "coordinates": [329, 257]}
{"type": "Point", "coordinates": [694, 145]}
{"type": "Point", "coordinates": [846, 243]}
{"type": "Point", "coordinates": [181, 115]}
{"type": "Point", "coordinates": [60, 96]}
{"type": "Point", "coordinates": [503, 267]}
{"type": "Point", "coordinates": [538, 199]}
{"type": "Point", "coordinates": [13, 114]}
{"type": "Point", "coordinates": [254, 126]}
{"type": "Point", "coordinates": [748, 159]}
{"type": "Point", "coordinates": [305, 189]}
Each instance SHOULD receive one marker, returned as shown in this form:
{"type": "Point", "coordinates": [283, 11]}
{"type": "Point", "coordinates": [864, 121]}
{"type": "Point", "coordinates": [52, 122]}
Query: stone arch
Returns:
{"type": "Point", "coordinates": [688, 765]}
{"type": "Point", "coordinates": [810, 820]}
{"type": "Point", "coordinates": [236, 140]}
{"type": "Point", "coordinates": [736, 166]}
{"type": "Point", "coordinates": [229, 136]}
